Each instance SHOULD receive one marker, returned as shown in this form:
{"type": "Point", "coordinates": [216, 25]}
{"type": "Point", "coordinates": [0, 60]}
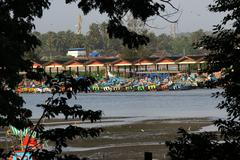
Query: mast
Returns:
{"type": "Point", "coordinates": [79, 24]}
{"type": "Point", "coordinates": [173, 30]}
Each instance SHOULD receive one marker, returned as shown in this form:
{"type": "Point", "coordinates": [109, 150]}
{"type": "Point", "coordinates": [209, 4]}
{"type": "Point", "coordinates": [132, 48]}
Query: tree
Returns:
{"type": "Point", "coordinates": [98, 39]}
{"type": "Point", "coordinates": [105, 37]}
{"type": "Point", "coordinates": [196, 36]}
{"type": "Point", "coordinates": [61, 41]}
{"type": "Point", "coordinates": [79, 41]}
{"type": "Point", "coordinates": [224, 49]}
{"type": "Point", "coordinates": [51, 43]}
{"type": "Point", "coordinates": [136, 25]}
{"type": "Point", "coordinates": [16, 39]}
{"type": "Point", "coordinates": [182, 44]}
{"type": "Point", "coordinates": [94, 37]}
{"type": "Point", "coordinates": [110, 46]}
{"type": "Point", "coordinates": [164, 42]}
{"type": "Point", "coordinates": [116, 11]}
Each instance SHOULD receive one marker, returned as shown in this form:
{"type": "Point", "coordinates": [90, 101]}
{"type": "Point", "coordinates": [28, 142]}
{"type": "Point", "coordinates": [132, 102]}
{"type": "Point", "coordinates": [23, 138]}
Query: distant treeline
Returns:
{"type": "Point", "coordinates": [55, 45]}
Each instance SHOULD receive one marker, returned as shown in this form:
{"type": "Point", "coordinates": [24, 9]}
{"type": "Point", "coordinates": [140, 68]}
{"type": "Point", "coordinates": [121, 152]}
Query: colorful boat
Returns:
{"type": "Point", "coordinates": [25, 144]}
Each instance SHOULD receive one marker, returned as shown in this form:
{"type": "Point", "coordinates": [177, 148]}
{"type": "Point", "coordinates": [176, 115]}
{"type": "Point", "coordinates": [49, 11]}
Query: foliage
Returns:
{"type": "Point", "coordinates": [116, 10]}
{"type": "Point", "coordinates": [16, 39]}
{"type": "Point", "coordinates": [224, 56]}
{"type": "Point", "coordinates": [54, 106]}
{"type": "Point", "coordinates": [56, 44]}
{"type": "Point", "coordinates": [97, 39]}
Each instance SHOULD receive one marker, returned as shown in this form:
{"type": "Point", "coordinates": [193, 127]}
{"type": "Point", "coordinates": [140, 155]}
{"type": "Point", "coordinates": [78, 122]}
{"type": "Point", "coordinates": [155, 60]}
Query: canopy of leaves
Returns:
{"type": "Point", "coordinates": [224, 47]}
{"type": "Point", "coordinates": [116, 11]}
{"type": "Point", "coordinates": [65, 87]}
{"type": "Point", "coordinates": [16, 39]}
{"type": "Point", "coordinates": [98, 39]}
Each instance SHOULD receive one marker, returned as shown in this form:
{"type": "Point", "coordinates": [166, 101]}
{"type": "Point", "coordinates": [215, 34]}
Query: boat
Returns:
{"type": "Point", "coordinates": [26, 143]}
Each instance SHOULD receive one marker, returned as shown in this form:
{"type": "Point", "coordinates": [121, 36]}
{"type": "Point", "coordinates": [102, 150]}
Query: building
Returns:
{"type": "Point", "coordinates": [36, 64]}
{"type": "Point", "coordinates": [167, 64]}
{"type": "Point", "coordinates": [54, 67]}
{"type": "Point", "coordinates": [77, 65]}
{"type": "Point", "coordinates": [77, 52]}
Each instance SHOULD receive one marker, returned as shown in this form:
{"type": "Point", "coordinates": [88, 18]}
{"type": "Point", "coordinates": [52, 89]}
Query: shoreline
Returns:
{"type": "Point", "coordinates": [130, 141]}
{"type": "Point", "coordinates": [116, 121]}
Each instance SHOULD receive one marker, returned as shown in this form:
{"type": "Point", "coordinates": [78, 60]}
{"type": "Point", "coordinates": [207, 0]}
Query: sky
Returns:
{"type": "Point", "coordinates": [194, 15]}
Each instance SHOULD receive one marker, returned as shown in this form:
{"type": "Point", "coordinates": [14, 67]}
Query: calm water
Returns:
{"type": "Point", "coordinates": [148, 105]}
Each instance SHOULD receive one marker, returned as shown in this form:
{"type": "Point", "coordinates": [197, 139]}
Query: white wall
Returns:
{"type": "Point", "coordinates": [76, 53]}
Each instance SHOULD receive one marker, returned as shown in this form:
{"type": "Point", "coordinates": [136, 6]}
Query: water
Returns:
{"type": "Point", "coordinates": [146, 105]}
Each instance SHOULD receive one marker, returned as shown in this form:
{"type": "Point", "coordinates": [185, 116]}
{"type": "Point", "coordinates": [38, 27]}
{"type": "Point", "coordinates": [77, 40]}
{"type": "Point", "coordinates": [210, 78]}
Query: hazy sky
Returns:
{"type": "Point", "coordinates": [62, 17]}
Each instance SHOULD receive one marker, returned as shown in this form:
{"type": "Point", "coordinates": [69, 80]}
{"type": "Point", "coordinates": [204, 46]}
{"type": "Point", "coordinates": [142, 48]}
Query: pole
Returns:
{"type": "Point", "coordinates": [148, 156]}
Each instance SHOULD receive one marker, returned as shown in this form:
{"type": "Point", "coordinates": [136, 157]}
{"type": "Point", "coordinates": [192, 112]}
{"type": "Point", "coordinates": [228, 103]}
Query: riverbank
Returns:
{"type": "Point", "coordinates": [130, 141]}
{"type": "Point", "coordinates": [137, 121]}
